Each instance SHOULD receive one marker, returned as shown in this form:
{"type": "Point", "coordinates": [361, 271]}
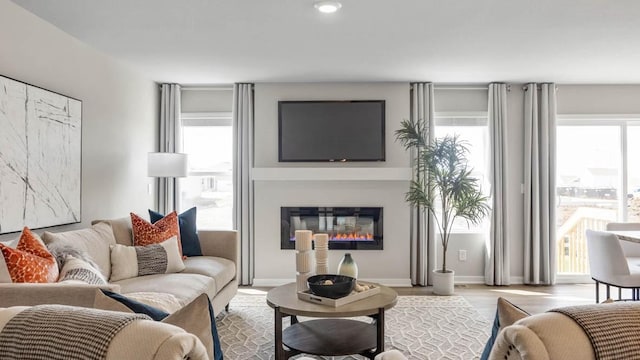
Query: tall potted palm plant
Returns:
{"type": "Point", "coordinates": [443, 187]}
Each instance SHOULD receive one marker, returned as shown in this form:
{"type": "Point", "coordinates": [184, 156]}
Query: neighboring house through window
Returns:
{"type": "Point", "coordinates": [598, 181]}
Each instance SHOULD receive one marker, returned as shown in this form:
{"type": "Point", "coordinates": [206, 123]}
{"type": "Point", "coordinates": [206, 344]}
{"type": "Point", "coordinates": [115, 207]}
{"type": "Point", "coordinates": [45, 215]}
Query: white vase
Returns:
{"type": "Point", "coordinates": [348, 267]}
{"type": "Point", "coordinates": [443, 282]}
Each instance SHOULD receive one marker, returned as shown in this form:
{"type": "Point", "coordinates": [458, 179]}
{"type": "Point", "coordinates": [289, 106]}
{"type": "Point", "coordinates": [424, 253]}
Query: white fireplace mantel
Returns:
{"type": "Point", "coordinates": [331, 174]}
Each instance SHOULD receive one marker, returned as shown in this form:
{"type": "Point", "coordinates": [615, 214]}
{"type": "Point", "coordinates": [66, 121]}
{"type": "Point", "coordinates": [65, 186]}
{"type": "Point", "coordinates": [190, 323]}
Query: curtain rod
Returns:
{"type": "Point", "coordinates": [441, 87]}
{"type": "Point", "coordinates": [207, 88]}
{"type": "Point", "coordinates": [537, 87]}
{"type": "Point", "coordinates": [453, 87]}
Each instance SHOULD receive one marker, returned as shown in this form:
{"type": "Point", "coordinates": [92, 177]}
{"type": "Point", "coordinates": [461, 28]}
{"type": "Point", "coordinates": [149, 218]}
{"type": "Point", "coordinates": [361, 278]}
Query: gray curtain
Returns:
{"type": "Point", "coordinates": [242, 183]}
{"type": "Point", "coordinates": [539, 183]}
{"type": "Point", "coordinates": [496, 270]}
{"type": "Point", "coordinates": [423, 257]}
{"type": "Point", "coordinates": [170, 141]}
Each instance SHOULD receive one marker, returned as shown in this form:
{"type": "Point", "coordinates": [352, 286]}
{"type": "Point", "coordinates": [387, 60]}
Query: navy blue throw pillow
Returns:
{"type": "Point", "coordinates": [188, 231]}
{"type": "Point", "coordinates": [492, 339]}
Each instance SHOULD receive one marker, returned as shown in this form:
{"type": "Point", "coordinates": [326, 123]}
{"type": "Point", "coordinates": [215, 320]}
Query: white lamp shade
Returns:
{"type": "Point", "coordinates": [167, 165]}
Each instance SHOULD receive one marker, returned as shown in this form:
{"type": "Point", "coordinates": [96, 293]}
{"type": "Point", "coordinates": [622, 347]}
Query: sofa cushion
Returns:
{"type": "Point", "coordinates": [30, 261]}
{"type": "Point", "coordinates": [130, 261]}
{"type": "Point", "coordinates": [95, 241]}
{"type": "Point", "coordinates": [188, 231]}
{"type": "Point", "coordinates": [185, 287]}
{"type": "Point", "coordinates": [79, 271]}
{"type": "Point", "coordinates": [146, 233]}
{"type": "Point", "coordinates": [121, 229]}
{"type": "Point", "coordinates": [220, 269]}
{"type": "Point", "coordinates": [508, 313]}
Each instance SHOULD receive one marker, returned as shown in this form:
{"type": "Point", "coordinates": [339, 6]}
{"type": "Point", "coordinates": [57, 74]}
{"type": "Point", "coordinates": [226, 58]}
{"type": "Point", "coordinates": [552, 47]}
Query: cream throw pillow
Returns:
{"type": "Point", "coordinates": [132, 261]}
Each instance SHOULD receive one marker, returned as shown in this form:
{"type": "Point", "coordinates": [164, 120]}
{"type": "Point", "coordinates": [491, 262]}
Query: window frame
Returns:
{"type": "Point", "coordinates": [623, 121]}
{"type": "Point", "coordinates": [206, 119]}
{"type": "Point", "coordinates": [460, 119]}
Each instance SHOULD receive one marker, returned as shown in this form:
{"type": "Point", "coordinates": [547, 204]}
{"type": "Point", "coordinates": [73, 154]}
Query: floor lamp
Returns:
{"type": "Point", "coordinates": [166, 166]}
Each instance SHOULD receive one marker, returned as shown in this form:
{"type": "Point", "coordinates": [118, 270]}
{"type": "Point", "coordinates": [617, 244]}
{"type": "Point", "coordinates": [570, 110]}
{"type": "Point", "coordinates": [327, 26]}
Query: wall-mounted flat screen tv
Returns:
{"type": "Point", "coordinates": [331, 130]}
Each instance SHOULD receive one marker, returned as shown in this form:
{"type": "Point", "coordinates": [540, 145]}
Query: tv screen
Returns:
{"type": "Point", "coordinates": [331, 130]}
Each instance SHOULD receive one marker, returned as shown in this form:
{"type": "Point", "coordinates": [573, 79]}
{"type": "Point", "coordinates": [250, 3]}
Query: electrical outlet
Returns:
{"type": "Point", "coordinates": [462, 255]}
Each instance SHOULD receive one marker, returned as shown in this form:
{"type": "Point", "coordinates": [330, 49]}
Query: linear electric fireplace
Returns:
{"type": "Point", "coordinates": [350, 228]}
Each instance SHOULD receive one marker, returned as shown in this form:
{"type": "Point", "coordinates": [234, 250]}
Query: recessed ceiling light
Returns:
{"type": "Point", "coordinates": [327, 7]}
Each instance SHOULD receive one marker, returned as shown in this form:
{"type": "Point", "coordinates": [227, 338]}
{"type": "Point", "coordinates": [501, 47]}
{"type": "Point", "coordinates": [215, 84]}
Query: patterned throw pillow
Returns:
{"type": "Point", "coordinates": [146, 233]}
{"type": "Point", "coordinates": [75, 270]}
{"type": "Point", "coordinates": [188, 231]}
{"type": "Point", "coordinates": [30, 261]}
{"type": "Point", "coordinates": [132, 261]}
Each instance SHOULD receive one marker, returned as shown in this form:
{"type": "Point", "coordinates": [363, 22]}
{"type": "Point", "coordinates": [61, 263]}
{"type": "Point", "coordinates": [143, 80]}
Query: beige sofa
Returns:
{"type": "Point", "coordinates": [141, 339]}
{"type": "Point", "coordinates": [214, 273]}
{"type": "Point", "coordinates": [554, 335]}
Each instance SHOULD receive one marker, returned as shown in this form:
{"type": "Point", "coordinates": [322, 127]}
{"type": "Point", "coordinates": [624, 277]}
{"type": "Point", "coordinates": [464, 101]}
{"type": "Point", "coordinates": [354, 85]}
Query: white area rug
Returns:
{"type": "Point", "coordinates": [421, 327]}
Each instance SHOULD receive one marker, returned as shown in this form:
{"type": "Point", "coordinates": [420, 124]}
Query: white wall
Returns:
{"type": "Point", "coordinates": [598, 99]}
{"type": "Point", "coordinates": [120, 110]}
{"type": "Point", "coordinates": [273, 265]}
{"type": "Point", "coordinates": [198, 100]}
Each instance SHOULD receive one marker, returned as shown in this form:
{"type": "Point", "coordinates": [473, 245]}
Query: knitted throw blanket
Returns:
{"type": "Point", "coordinates": [613, 329]}
{"type": "Point", "coordinates": [60, 332]}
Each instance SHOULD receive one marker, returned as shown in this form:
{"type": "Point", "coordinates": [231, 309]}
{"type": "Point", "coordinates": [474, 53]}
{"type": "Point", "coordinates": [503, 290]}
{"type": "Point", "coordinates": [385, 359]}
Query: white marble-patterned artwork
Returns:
{"type": "Point", "coordinates": [40, 157]}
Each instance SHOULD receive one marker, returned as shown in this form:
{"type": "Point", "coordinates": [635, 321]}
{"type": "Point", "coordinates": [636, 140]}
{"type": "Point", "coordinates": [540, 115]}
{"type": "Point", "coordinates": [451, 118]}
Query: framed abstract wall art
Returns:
{"type": "Point", "coordinates": [40, 157]}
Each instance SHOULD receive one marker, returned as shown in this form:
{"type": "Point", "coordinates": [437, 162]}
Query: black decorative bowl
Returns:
{"type": "Point", "coordinates": [341, 285]}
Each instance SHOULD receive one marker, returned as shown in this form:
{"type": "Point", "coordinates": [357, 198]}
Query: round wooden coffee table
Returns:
{"type": "Point", "coordinates": [329, 336]}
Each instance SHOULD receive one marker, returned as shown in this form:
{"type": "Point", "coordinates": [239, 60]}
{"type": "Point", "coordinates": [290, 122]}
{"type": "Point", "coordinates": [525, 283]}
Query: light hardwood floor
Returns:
{"type": "Point", "coordinates": [533, 299]}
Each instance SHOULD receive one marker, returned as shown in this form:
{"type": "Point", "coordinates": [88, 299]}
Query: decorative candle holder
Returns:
{"type": "Point", "coordinates": [304, 258]}
{"type": "Point", "coordinates": [322, 253]}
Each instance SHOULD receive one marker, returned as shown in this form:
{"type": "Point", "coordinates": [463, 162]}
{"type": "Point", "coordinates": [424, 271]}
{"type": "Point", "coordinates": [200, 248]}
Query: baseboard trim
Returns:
{"type": "Point", "coordinates": [385, 282]}
{"type": "Point", "coordinates": [468, 279]}
{"type": "Point", "coordinates": [459, 280]}
{"type": "Point", "coordinates": [475, 279]}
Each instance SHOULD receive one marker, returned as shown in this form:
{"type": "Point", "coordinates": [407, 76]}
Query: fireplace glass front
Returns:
{"type": "Point", "coordinates": [349, 228]}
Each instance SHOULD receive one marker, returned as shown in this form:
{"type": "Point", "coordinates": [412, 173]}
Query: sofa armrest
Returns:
{"type": "Point", "coordinates": [53, 293]}
{"type": "Point", "coordinates": [220, 243]}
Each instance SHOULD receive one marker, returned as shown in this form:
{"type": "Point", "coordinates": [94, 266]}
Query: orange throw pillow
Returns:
{"type": "Point", "coordinates": [30, 261]}
{"type": "Point", "coordinates": [146, 233]}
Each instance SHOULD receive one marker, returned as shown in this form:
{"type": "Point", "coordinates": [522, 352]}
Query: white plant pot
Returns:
{"type": "Point", "coordinates": [443, 282]}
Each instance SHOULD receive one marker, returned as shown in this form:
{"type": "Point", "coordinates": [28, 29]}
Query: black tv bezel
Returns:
{"type": "Point", "coordinates": [383, 129]}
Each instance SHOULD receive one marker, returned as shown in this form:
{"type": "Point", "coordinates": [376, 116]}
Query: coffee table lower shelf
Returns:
{"type": "Point", "coordinates": [331, 337]}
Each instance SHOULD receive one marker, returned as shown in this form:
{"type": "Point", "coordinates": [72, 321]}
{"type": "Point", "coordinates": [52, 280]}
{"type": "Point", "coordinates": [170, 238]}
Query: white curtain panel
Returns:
{"type": "Point", "coordinates": [496, 270]}
{"type": "Point", "coordinates": [170, 141]}
{"type": "Point", "coordinates": [539, 183]}
{"type": "Point", "coordinates": [242, 183]}
{"type": "Point", "coordinates": [423, 257]}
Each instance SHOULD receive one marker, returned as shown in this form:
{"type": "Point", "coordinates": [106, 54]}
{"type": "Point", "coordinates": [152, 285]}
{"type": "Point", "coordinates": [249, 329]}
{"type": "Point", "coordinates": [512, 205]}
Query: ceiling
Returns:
{"type": "Point", "coordinates": [445, 41]}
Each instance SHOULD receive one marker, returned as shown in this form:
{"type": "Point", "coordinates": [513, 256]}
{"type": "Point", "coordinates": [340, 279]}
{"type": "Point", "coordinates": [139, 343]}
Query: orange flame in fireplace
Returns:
{"type": "Point", "coordinates": [351, 236]}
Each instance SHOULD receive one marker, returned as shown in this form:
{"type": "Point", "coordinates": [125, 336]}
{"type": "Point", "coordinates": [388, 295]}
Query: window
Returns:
{"type": "Point", "coordinates": [208, 139]}
{"type": "Point", "coordinates": [596, 183]}
{"type": "Point", "coordinates": [472, 128]}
